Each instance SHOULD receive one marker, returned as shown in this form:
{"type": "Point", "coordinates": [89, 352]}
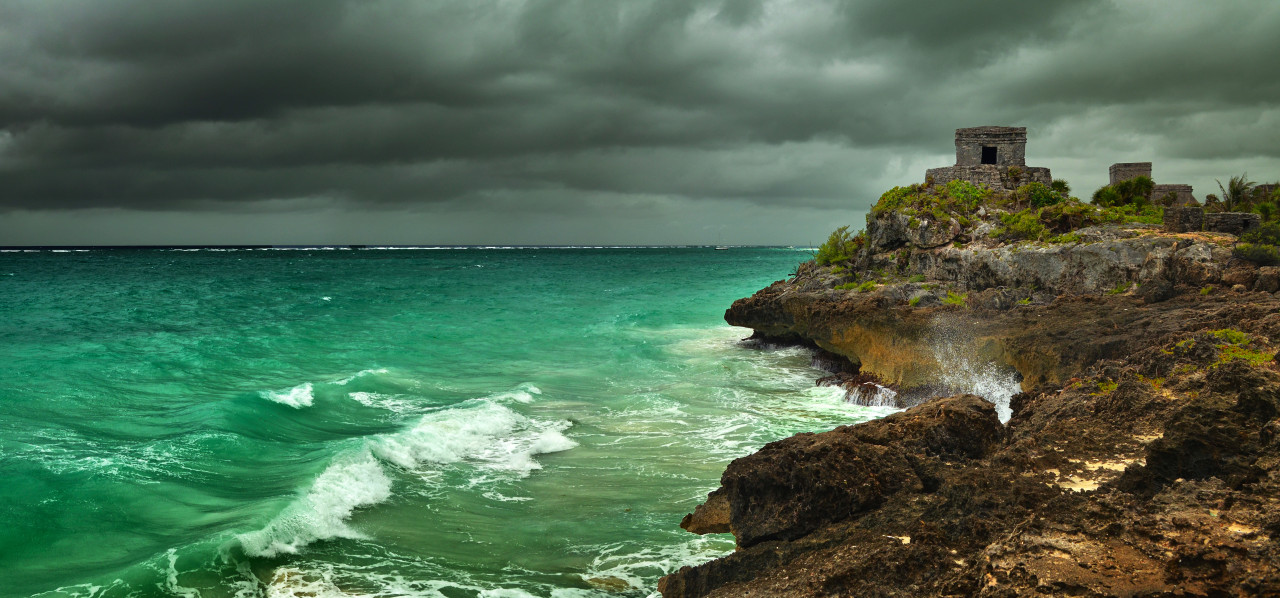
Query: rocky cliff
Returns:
{"type": "Point", "coordinates": [1141, 457]}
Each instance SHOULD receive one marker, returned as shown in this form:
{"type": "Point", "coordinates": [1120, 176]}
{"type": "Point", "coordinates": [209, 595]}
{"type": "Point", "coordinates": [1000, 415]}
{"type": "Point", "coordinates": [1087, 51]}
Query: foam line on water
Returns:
{"type": "Point", "coordinates": [297, 397]}
{"type": "Point", "coordinates": [360, 374]}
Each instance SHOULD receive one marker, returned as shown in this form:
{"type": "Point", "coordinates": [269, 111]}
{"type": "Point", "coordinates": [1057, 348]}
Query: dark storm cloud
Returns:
{"type": "Point", "coordinates": [197, 105]}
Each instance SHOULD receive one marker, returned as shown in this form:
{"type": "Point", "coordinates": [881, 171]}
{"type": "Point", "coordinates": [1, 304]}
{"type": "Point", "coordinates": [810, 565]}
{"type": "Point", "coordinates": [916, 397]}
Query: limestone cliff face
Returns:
{"type": "Point", "coordinates": [1142, 458]}
{"type": "Point", "coordinates": [896, 330]}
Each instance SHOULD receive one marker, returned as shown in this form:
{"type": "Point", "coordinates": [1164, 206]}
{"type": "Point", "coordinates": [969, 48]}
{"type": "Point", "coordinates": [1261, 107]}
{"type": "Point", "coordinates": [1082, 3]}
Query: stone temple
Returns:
{"type": "Point", "coordinates": [1123, 171]}
{"type": "Point", "coordinates": [991, 156]}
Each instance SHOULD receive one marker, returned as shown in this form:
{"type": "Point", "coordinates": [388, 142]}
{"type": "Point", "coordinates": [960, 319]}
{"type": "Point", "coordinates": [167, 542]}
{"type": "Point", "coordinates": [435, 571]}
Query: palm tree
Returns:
{"type": "Point", "coordinates": [1236, 194]}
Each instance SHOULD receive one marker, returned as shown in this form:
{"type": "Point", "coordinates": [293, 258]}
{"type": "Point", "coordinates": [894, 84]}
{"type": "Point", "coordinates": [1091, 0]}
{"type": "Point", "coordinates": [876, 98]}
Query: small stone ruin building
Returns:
{"type": "Point", "coordinates": [991, 156]}
{"type": "Point", "coordinates": [1123, 171]}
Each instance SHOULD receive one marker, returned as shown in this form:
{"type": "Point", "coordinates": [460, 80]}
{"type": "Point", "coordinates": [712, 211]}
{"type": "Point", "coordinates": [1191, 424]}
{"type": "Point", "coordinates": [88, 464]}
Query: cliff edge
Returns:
{"type": "Point", "coordinates": [1139, 453]}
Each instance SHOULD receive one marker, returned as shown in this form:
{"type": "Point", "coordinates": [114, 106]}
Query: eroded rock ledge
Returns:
{"type": "Point", "coordinates": [1142, 458]}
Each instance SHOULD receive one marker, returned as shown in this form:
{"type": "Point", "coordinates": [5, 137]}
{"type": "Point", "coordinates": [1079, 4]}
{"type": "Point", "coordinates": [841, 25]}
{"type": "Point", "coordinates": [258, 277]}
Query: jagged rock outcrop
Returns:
{"type": "Point", "coordinates": [1141, 459]}
{"type": "Point", "coordinates": [1155, 471]}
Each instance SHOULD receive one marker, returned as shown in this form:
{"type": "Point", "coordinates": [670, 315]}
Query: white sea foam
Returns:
{"type": "Point", "coordinates": [523, 393]}
{"type": "Point", "coordinates": [292, 582]}
{"type": "Point", "coordinates": [873, 395]}
{"type": "Point", "coordinates": [360, 374]}
{"type": "Point", "coordinates": [480, 433]}
{"type": "Point", "coordinates": [624, 561]}
{"type": "Point", "coordinates": [297, 397]}
{"type": "Point", "coordinates": [352, 481]}
{"type": "Point", "coordinates": [484, 432]}
{"type": "Point", "coordinates": [171, 577]}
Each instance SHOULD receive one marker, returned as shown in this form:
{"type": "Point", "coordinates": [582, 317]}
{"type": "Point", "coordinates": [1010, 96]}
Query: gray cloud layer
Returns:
{"type": "Point", "coordinates": [579, 106]}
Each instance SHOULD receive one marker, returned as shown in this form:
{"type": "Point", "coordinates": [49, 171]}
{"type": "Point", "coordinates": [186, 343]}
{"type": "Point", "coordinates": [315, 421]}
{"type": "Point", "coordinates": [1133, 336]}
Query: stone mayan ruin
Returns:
{"type": "Point", "coordinates": [991, 156]}
{"type": "Point", "coordinates": [1123, 171]}
{"type": "Point", "coordinates": [996, 157]}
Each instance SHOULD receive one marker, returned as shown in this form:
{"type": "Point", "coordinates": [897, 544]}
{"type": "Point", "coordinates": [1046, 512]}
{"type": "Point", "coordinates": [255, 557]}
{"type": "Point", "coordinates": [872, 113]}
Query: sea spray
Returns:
{"type": "Point", "coordinates": [961, 372]}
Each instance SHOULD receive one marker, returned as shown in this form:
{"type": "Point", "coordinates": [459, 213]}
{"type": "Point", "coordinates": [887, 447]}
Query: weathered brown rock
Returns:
{"type": "Point", "coordinates": [711, 517]}
{"type": "Point", "coordinates": [1143, 458]}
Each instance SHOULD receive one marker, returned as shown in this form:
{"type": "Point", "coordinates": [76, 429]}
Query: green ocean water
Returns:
{"type": "Point", "coordinates": [445, 423]}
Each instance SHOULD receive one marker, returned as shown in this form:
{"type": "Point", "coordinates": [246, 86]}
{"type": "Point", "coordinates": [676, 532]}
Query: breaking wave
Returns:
{"type": "Point", "coordinates": [479, 433]}
{"type": "Point", "coordinates": [297, 397]}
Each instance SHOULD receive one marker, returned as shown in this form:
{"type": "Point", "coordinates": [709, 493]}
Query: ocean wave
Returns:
{"type": "Point", "coordinates": [485, 433]}
{"type": "Point", "coordinates": [360, 374]}
{"type": "Point", "coordinates": [480, 433]}
{"type": "Point", "coordinates": [297, 397]}
{"type": "Point", "coordinates": [523, 393]}
{"type": "Point", "coordinates": [351, 481]}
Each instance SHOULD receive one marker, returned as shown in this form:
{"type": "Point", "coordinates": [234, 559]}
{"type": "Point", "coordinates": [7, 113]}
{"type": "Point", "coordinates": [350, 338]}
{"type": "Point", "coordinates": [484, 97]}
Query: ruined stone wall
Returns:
{"type": "Point", "coordinates": [1123, 171]}
{"type": "Point", "coordinates": [1265, 190]}
{"type": "Point", "coordinates": [1194, 219]}
{"type": "Point", "coordinates": [993, 176]}
{"type": "Point", "coordinates": [1182, 191]}
{"type": "Point", "coordinates": [1010, 144]}
{"type": "Point", "coordinates": [1236, 223]}
{"type": "Point", "coordinates": [1183, 220]}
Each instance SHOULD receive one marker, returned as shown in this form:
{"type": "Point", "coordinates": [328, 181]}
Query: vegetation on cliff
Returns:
{"type": "Point", "coordinates": [1261, 246]}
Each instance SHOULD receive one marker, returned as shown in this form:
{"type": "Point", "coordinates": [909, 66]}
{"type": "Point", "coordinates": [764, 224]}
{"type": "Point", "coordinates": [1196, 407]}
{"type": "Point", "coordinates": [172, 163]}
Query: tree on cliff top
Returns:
{"type": "Point", "coordinates": [840, 247]}
{"type": "Point", "coordinates": [1238, 192]}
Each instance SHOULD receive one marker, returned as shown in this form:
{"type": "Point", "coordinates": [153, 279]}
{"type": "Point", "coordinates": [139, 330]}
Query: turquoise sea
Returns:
{"type": "Point", "coordinates": [327, 423]}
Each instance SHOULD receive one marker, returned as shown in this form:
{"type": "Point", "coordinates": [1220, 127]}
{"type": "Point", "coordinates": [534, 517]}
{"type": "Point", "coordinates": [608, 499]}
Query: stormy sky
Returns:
{"type": "Point", "coordinates": [592, 121]}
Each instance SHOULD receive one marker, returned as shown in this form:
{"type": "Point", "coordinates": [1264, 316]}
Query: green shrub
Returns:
{"type": "Point", "coordinates": [1038, 195]}
{"type": "Point", "coordinates": [1120, 288]}
{"type": "Point", "coordinates": [914, 301]}
{"type": "Point", "coordinates": [1024, 225]}
{"type": "Point", "coordinates": [1064, 238]}
{"type": "Point", "coordinates": [1231, 336]}
{"type": "Point", "coordinates": [840, 247]}
{"type": "Point", "coordinates": [1143, 213]}
{"type": "Point", "coordinates": [1024, 301]}
{"type": "Point", "coordinates": [1135, 191]}
{"type": "Point", "coordinates": [954, 299]}
{"type": "Point", "coordinates": [1061, 187]}
{"type": "Point", "coordinates": [867, 286]}
{"type": "Point", "coordinates": [1267, 234]}
{"type": "Point", "coordinates": [1206, 290]}
{"type": "Point", "coordinates": [1106, 197]}
{"type": "Point", "coordinates": [1263, 255]}
{"type": "Point", "coordinates": [957, 199]}
{"type": "Point", "coordinates": [916, 278]}
{"type": "Point", "coordinates": [1229, 353]}
{"type": "Point", "coordinates": [848, 286]}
